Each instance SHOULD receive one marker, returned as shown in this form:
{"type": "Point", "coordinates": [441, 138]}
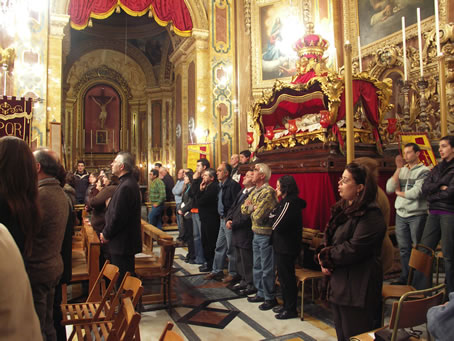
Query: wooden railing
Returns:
{"type": "Point", "coordinates": [169, 219]}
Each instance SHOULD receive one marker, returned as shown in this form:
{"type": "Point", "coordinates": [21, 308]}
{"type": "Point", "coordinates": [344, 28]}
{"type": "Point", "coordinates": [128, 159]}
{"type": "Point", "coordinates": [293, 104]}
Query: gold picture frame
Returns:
{"type": "Point", "coordinates": [102, 137]}
{"type": "Point", "coordinates": [355, 15]}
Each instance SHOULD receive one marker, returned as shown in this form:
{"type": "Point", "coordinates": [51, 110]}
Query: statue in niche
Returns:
{"type": "Point", "coordinates": [102, 101]}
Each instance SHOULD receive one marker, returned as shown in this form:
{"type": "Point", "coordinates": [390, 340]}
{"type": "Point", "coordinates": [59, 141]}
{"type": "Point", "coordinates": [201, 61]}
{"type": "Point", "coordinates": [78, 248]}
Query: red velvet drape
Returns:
{"type": "Point", "coordinates": [368, 93]}
{"type": "Point", "coordinates": [318, 191]}
{"type": "Point", "coordinates": [164, 11]}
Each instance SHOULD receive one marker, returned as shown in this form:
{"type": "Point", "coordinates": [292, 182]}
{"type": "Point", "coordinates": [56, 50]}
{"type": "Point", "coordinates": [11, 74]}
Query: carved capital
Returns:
{"type": "Point", "coordinates": [58, 22]}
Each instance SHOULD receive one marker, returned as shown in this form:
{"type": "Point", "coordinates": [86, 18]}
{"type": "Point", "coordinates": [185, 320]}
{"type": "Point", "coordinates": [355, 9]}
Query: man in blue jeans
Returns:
{"type": "Point", "coordinates": [411, 208]}
{"type": "Point", "coordinates": [157, 195]}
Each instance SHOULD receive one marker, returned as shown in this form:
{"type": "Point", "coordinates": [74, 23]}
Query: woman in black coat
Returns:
{"type": "Point", "coordinates": [185, 212]}
{"type": "Point", "coordinates": [286, 240]}
{"type": "Point", "coordinates": [350, 257]}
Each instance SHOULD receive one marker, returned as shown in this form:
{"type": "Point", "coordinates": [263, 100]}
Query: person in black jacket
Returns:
{"type": "Point", "coordinates": [207, 198]}
{"type": "Point", "coordinates": [122, 231]}
{"type": "Point", "coordinates": [228, 190]}
{"type": "Point", "coordinates": [286, 240]}
{"type": "Point", "coordinates": [185, 212]}
{"type": "Point", "coordinates": [438, 189]}
{"type": "Point", "coordinates": [242, 235]}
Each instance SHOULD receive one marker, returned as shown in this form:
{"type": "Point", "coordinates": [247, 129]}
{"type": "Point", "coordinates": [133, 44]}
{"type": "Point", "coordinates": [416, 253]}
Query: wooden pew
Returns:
{"type": "Point", "coordinates": [85, 260]}
{"type": "Point", "coordinates": [169, 219]}
{"type": "Point", "coordinates": [150, 233]}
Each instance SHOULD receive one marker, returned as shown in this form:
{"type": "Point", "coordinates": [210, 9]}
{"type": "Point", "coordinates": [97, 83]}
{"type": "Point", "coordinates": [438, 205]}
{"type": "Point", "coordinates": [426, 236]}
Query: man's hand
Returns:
{"type": "Point", "coordinates": [180, 212]}
{"type": "Point", "coordinates": [399, 161]}
{"type": "Point", "coordinates": [443, 188]}
{"type": "Point", "coordinates": [196, 175]}
{"type": "Point", "coordinates": [228, 224]}
{"type": "Point", "coordinates": [102, 239]}
{"type": "Point", "coordinates": [203, 185]}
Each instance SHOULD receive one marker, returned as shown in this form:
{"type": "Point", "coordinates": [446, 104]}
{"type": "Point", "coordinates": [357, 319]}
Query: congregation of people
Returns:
{"type": "Point", "coordinates": [227, 221]}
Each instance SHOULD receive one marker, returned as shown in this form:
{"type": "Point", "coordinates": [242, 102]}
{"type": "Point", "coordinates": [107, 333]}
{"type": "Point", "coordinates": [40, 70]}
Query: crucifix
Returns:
{"type": "Point", "coordinates": [102, 102]}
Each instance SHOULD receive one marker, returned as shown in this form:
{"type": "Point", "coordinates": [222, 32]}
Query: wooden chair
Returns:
{"type": "Point", "coordinates": [168, 334]}
{"type": "Point", "coordinates": [130, 287]}
{"type": "Point", "coordinates": [303, 274]}
{"type": "Point", "coordinates": [410, 311]}
{"type": "Point", "coordinates": [92, 308]}
{"type": "Point", "coordinates": [162, 269]}
{"type": "Point", "coordinates": [420, 261]}
{"type": "Point", "coordinates": [125, 327]}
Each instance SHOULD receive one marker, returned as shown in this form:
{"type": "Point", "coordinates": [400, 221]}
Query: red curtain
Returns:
{"type": "Point", "coordinates": [164, 11]}
{"type": "Point", "coordinates": [317, 189]}
{"type": "Point", "coordinates": [368, 93]}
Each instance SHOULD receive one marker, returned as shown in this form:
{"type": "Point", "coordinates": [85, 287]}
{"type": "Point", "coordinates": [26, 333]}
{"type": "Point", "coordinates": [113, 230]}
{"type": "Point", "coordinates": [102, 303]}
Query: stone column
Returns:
{"type": "Point", "coordinates": [54, 103]}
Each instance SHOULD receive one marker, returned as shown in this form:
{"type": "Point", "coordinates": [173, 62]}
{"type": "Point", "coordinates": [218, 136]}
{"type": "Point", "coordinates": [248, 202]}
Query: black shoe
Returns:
{"type": "Point", "coordinates": [268, 304]}
{"type": "Point", "coordinates": [278, 309]}
{"type": "Point", "coordinates": [205, 268]}
{"type": "Point", "coordinates": [248, 291]}
{"type": "Point", "coordinates": [286, 314]}
{"type": "Point", "coordinates": [238, 287]}
{"type": "Point", "coordinates": [217, 276]}
{"type": "Point", "coordinates": [255, 299]}
{"type": "Point", "coordinates": [191, 261]}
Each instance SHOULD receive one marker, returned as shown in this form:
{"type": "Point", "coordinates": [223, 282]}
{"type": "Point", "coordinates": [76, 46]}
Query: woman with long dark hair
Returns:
{"type": "Point", "coordinates": [350, 256]}
{"type": "Point", "coordinates": [286, 240]}
{"type": "Point", "coordinates": [19, 210]}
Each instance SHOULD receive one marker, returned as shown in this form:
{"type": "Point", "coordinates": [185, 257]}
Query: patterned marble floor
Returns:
{"type": "Point", "coordinates": [213, 312]}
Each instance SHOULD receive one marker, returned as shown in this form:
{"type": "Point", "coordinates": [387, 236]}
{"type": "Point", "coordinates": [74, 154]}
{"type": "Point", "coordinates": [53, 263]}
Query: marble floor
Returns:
{"type": "Point", "coordinates": [217, 313]}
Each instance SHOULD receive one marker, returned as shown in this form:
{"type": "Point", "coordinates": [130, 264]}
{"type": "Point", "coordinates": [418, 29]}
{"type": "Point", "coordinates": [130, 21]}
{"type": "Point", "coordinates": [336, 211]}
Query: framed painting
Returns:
{"type": "Point", "coordinates": [276, 27]}
{"type": "Point", "coordinates": [101, 136]}
{"type": "Point", "coordinates": [377, 21]}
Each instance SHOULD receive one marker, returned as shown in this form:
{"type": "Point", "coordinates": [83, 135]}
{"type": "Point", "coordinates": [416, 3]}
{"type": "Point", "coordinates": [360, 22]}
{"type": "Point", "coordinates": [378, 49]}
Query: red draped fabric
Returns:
{"type": "Point", "coordinates": [164, 11]}
{"type": "Point", "coordinates": [318, 189]}
{"type": "Point", "coordinates": [368, 93]}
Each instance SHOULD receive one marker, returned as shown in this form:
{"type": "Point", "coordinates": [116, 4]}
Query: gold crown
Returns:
{"type": "Point", "coordinates": [311, 45]}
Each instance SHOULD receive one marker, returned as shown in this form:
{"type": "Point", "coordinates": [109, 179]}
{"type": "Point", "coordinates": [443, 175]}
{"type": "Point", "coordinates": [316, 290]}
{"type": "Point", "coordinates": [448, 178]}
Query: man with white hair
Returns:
{"type": "Point", "coordinates": [122, 231]}
{"type": "Point", "coordinates": [259, 205]}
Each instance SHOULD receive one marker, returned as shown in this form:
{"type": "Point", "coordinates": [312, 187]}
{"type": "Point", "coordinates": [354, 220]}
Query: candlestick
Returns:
{"type": "Point", "coordinates": [91, 139]}
{"type": "Point", "coordinates": [349, 101]}
{"type": "Point", "coordinates": [418, 14]}
{"type": "Point", "coordinates": [77, 139]}
{"type": "Point", "coordinates": [113, 140]}
{"type": "Point", "coordinates": [404, 48]}
{"type": "Point", "coordinates": [443, 97]}
{"type": "Point", "coordinates": [359, 55]}
{"type": "Point", "coordinates": [437, 27]}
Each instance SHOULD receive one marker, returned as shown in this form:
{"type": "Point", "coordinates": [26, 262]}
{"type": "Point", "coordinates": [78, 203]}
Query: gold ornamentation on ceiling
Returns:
{"type": "Point", "coordinates": [104, 73]}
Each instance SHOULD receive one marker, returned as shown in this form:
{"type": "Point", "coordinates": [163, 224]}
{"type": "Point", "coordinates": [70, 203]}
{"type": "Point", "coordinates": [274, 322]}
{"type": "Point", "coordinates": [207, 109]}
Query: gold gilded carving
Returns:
{"type": "Point", "coordinates": [8, 56]}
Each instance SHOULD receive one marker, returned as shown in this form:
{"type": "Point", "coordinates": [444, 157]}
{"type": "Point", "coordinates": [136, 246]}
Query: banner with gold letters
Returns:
{"type": "Point", "coordinates": [16, 117]}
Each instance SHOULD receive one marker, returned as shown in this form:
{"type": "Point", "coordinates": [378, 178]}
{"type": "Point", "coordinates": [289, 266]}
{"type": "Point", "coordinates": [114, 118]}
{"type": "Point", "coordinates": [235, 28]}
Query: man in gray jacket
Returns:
{"type": "Point", "coordinates": [411, 208]}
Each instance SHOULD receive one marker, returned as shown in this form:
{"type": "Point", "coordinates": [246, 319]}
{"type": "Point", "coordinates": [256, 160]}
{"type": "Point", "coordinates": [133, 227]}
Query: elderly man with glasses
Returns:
{"type": "Point", "coordinates": [259, 205]}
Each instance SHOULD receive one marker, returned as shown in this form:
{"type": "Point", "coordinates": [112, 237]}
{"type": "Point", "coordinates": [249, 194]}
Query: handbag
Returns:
{"type": "Point", "coordinates": [386, 333]}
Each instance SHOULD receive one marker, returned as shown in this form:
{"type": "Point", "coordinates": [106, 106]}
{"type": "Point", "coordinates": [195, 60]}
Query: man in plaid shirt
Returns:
{"type": "Point", "coordinates": [157, 194]}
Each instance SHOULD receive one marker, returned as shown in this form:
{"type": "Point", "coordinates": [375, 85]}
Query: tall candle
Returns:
{"type": "Point", "coordinates": [91, 139]}
{"type": "Point", "coordinates": [359, 55]}
{"type": "Point", "coordinates": [336, 67]}
{"type": "Point", "coordinates": [418, 14]}
{"type": "Point", "coordinates": [404, 47]}
{"type": "Point", "coordinates": [437, 27]}
{"type": "Point", "coordinates": [113, 140]}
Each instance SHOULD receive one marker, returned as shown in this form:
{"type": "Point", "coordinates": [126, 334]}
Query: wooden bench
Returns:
{"type": "Point", "coordinates": [150, 233]}
{"type": "Point", "coordinates": [85, 259]}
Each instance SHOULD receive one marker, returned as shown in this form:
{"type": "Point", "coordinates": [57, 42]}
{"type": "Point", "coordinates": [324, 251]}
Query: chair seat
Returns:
{"type": "Point", "coordinates": [395, 290]}
{"type": "Point", "coordinates": [93, 331]}
{"type": "Point", "coordinates": [303, 274]}
{"type": "Point", "coordinates": [81, 312]}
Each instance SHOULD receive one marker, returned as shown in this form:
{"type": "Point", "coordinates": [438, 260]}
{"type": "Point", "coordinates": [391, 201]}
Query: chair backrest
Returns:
{"type": "Point", "coordinates": [421, 259]}
{"type": "Point", "coordinates": [130, 287]}
{"type": "Point", "coordinates": [125, 326]}
{"type": "Point", "coordinates": [411, 312]}
{"type": "Point", "coordinates": [110, 272]}
{"type": "Point", "coordinates": [169, 335]}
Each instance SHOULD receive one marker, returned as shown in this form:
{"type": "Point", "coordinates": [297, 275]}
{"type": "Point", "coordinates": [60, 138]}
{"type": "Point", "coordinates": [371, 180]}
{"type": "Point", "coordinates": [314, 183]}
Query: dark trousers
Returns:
{"type": "Point", "coordinates": [188, 237]}
{"type": "Point", "coordinates": [244, 264]}
{"type": "Point", "coordinates": [286, 271]}
{"type": "Point", "coordinates": [351, 321]}
{"type": "Point", "coordinates": [58, 316]}
{"type": "Point", "coordinates": [209, 238]}
{"type": "Point", "coordinates": [43, 298]}
{"type": "Point", "coordinates": [125, 263]}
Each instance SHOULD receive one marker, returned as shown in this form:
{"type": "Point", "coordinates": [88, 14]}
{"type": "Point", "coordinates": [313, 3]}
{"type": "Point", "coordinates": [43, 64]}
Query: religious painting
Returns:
{"type": "Point", "coordinates": [426, 155]}
{"type": "Point", "coordinates": [101, 136]}
{"type": "Point", "coordinates": [381, 18]}
{"type": "Point", "coordinates": [102, 114]}
{"type": "Point", "coordinates": [276, 27]}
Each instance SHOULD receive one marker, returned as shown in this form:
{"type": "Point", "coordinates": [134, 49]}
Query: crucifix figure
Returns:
{"type": "Point", "coordinates": [102, 102]}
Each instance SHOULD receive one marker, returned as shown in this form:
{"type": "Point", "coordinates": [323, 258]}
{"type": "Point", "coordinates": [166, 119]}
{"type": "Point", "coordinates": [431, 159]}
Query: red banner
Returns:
{"type": "Point", "coordinates": [16, 118]}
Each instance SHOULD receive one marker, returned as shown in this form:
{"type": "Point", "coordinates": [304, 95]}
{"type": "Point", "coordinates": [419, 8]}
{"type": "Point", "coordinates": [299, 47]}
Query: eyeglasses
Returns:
{"type": "Point", "coordinates": [343, 180]}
